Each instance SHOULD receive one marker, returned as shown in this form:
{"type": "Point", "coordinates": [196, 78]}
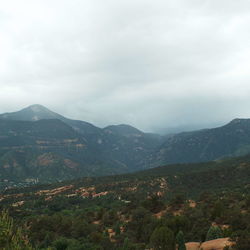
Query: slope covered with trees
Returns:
{"type": "Point", "coordinates": [40, 146]}
{"type": "Point", "coordinates": [68, 148]}
{"type": "Point", "coordinates": [232, 140]}
{"type": "Point", "coordinates": [157, 208]}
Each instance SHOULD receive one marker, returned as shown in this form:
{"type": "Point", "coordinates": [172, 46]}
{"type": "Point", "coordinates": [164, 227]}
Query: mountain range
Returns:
{"type": "Point", "coordinates": [38, 144]}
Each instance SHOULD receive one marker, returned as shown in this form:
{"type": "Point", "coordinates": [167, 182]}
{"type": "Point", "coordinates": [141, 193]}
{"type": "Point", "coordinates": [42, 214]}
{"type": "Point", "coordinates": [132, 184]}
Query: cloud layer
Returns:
{"type": "Point", "coordinates": [152, 64]}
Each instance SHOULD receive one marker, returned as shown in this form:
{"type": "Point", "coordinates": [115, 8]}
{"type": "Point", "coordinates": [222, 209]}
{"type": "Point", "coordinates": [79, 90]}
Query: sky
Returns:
{"type": "Point", "coordinates": [154, 64]}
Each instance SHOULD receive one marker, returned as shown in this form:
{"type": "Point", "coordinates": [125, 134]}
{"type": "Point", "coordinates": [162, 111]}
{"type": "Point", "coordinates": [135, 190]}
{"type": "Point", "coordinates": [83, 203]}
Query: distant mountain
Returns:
{"type": "Point", "coordinates": [38, 112]}
{"type": "Point", "coordinates": [233, 139]}
{"type": "Point", "coordinates": [49, 150]}
{"type": "Point", "coordinates": [129, 145]}
{"type": "Point", "coordinates": [116, 149]}
{"type": "Point", "coordinates": [32, 113]}
{"type": "Point", "coordinates": [73, 148]}
{"type": "Point", "coordinates": [124, 130]}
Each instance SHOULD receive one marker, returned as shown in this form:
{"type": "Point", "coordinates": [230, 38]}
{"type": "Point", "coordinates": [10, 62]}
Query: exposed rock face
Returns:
{"type": "Point", "coordinates": [217, 244]}
{"type": "Point", "coordinates": [192, 246]}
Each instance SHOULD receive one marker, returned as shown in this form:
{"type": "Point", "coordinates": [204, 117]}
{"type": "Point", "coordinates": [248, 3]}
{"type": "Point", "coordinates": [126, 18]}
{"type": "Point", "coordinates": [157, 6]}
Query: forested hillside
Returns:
{"type": "Point", "coordinates": [40, 146]}
{"type": "Point", "coordinates": [230, 140]}
{"type": "Point", "coordinates": [140, 210]}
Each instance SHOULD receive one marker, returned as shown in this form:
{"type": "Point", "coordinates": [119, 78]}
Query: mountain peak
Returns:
{"type": "Point", "coordinates": [38, 107]}
{"type": "Point", "coordinates": [123, 129]}
{"type": "Point", "coordinates": [31, 113]}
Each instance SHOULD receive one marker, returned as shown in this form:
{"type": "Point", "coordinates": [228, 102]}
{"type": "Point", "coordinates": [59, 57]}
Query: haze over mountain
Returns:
{"type": "Point", "coordinates": [32, 113]}
{"type": "Point", "coordinates": [38, 143]}
{"type": "Point", "coordinates": [232, 139]}
{"type": "Point", "coordinates": [154, 65]}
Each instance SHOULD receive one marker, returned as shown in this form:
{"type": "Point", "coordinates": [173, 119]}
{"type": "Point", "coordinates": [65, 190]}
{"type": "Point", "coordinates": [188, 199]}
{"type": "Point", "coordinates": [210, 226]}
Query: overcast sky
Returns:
{"type": "Point", "coordinates": [150, 63]}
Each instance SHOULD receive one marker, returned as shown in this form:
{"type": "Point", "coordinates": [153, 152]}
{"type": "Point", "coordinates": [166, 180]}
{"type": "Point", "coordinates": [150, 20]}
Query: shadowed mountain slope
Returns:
{"type": "Point", "coordinates": [233, 139]}
{"type": "Point", "coordinates": [74, 145]}
{"type": "Point", "coordinates": [93, 150]}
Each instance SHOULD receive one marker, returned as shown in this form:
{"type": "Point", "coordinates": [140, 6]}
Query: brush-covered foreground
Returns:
{"type": "Point", "coordinates": [155, 209]}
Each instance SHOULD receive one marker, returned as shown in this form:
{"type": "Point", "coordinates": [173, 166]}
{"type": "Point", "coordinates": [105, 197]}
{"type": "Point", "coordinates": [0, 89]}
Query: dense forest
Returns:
{"type": "Point", "coordinates": [155, 209]}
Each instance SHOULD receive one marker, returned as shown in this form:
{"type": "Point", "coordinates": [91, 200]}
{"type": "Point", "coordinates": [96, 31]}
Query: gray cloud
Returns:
{"type": "Point", "coordinates": [153, 64]}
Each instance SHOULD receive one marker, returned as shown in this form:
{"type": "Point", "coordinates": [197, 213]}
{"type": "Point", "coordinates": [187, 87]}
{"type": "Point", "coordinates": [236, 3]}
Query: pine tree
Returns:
{"type": "Point", "coordinates": [162, 238]}
{"type": "Point", "coordinates": [117, 229]}
{"type": "Point", "coordinates": [180, 241]}
{"type": "Point", "coordinates": [127, 245]}
{"type": "Point", "coordinates": [213, 233]}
